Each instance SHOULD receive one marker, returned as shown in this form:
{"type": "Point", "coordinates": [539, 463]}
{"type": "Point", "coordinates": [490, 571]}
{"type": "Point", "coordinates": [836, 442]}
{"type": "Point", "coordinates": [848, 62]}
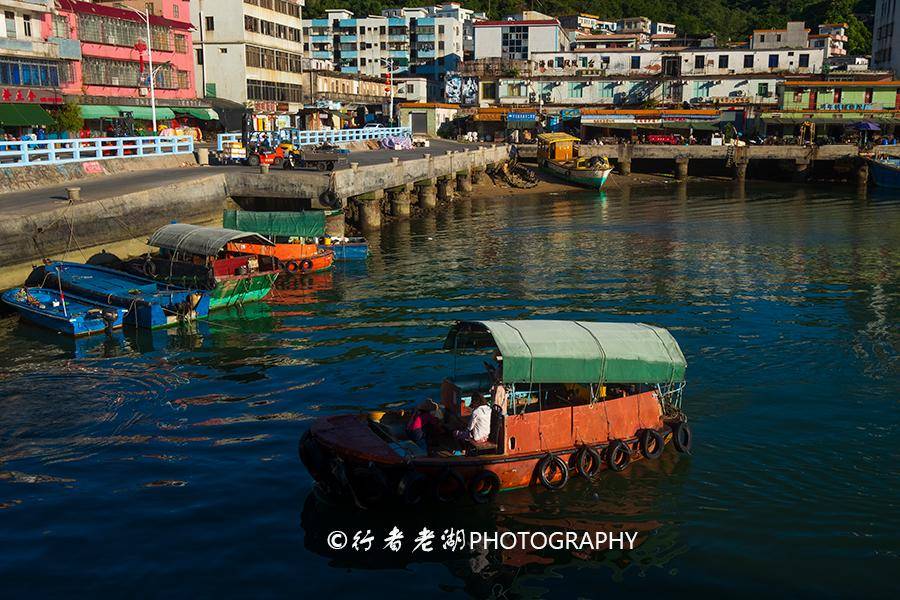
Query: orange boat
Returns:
{"type": "Point", "coordinates": [566, 396]}
{"type": "Point", "coordinates": [293, 257]}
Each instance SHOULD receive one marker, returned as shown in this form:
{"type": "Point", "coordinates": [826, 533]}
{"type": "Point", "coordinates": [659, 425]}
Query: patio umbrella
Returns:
{"type": "Point", "coordinates": [866, 126]}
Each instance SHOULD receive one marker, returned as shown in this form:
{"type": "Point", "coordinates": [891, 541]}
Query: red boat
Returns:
{"type": "Point", "coordinates": [565, 397]}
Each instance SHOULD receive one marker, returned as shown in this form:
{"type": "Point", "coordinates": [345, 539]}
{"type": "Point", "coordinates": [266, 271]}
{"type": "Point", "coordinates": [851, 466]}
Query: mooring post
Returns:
{"type": "Point", "coordinates": [73, 194]}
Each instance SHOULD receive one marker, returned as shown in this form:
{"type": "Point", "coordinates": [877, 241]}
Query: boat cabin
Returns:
{"type": "Point", "coordinates": [206, 255]}
{"type": "Point", "coordinates": [567, 383]}
{"type": "Point", "coordinates": [560, 147]}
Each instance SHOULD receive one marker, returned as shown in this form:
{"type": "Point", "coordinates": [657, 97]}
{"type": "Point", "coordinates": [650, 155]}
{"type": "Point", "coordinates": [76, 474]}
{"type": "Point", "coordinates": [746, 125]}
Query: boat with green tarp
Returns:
{"type": "Point", "coordinates": [295, 236]}
{"type": "Point", "coordinates": [210, 258]}
{"type": "Point", "coordinates": [559, 397]}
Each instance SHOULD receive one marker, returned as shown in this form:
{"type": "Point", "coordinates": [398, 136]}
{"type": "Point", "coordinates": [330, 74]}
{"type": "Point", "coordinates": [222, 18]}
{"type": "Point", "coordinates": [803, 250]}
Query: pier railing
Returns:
{"type": "Point", "coordinates": [54, 152]}
{"type": "Point", "coordinates": [301, 137]}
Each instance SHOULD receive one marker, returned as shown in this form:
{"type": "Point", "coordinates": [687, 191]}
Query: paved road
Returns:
{"type": "Point", "coordinates": [96, 188]}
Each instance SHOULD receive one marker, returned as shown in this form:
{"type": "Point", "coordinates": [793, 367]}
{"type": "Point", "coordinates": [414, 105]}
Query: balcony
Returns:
{"type": "Point", "coordinates": [425, 37]}
{"type": "Point", "coordinates": [398, 37]}
{"type": "Point", "coordinates": [349, 54]}
{"type": "Point", "coordinates": [398, 53]}
{"type": "Point", "coordinates": [29, 48]}
{"type": "Point", "coordinates": [424, 53]}
{"type": "Point", "coordinates": [348, 39]}
{"type": "Point", "coordinates": [320, 39]}
{"type": "Point", "coordinates": [323, 54]}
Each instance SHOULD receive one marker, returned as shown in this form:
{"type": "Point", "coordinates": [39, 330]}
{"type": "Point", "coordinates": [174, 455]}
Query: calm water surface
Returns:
{"type": "Point", "coordinates": [165, 463]}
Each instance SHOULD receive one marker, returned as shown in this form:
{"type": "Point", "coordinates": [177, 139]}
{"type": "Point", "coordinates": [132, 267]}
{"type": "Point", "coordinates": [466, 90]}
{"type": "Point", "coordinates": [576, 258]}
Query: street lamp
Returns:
{"type": "Point", "coordinates": [390, 67]}
{"type": "Point", "coordinates": [145, 16]}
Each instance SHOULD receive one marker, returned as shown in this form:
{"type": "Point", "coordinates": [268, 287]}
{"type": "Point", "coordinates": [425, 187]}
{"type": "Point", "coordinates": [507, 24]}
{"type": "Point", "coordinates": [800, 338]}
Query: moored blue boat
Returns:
{"type": "Point", "coordinates": [354, 248]}
{"type": "Point", "coordinates": [885, 171]}
{"type": "Point", "coordinates": [64, 313]}
{"type": "Point", "coordinates": [150, 304]}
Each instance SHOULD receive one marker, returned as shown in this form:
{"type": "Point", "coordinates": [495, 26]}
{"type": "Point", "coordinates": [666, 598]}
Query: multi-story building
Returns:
{"type": "Point", "coordinates": [518, 40]}
{"type": "Point", "coordinates": [251, 52]}
{"type": "Point", "coordinates": [110, 76]}
{"type": "Point", "coordinates": [794, 35]}
{"type": "Point", "coordinates": [30, 75]}
{"type": "Point", "coordinates": [425, 41]}
{"type": "Point", "coordinates": [832, 36]}
{"type": "Point", "coordinates": [886, 36]}
{"type": "Point", "coordinates": [580, 22]}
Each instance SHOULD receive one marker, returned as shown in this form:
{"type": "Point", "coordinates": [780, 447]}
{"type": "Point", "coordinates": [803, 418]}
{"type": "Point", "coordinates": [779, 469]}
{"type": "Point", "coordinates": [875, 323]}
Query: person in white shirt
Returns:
{"type": "Point", "coordinates": [479, 428]}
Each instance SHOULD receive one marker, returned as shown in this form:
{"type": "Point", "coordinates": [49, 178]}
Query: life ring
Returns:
{"type": "Point", "coordinates": [149, 268]}
{"type": "Point", "coordinates": [484, 487]}
{"type": "Point", "coordinates": [292, 266]}
{"type": "Point", "coordinates": [588, 462]}
{"type": "Point", "coordinates": [552, 460]}
{"type": "Point", "coordinates": [682, 437]}
{"type": "Point", "coordinates": [412, 487]}
{"type": "Point", "coordinates": [369, 486]}
{"type": "Point", "coordinates": [458, 489]}
{"type": "Point", "coordinates": [652, 443]}
{"type": "Point", "coordinates": [329, 199]}
{"type": "Point", "coordinates": [618, 455]}
{"type": "Point", "coordinates": [306, 264]}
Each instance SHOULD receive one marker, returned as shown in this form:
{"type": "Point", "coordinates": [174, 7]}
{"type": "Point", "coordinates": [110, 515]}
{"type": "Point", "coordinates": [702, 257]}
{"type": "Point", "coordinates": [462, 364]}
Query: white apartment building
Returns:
{"type": "Point", "coordinates": [250, 51]}
{"type": "Point", "coordinates": [886, 36]}
{"type": "Point", "coordinates": [419, 41]}
{"type": "Point", "coordinates": [518, 40]}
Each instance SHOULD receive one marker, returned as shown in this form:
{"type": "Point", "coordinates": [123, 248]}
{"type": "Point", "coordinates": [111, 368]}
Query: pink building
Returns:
{"type": "Point", "coordinates": [112, 70]}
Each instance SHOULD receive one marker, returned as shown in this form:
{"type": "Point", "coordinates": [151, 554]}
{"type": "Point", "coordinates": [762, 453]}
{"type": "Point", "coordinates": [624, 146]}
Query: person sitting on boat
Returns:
{"type": "Point", "coordinates": [479, 428]}
{"type": "Point", "coordinates": [499, 395]}
{"type": "Point", "coordinates": [422, 421]}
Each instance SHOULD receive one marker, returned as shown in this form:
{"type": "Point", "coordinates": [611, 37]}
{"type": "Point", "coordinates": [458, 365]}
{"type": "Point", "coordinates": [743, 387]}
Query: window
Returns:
{"type": "Point", "coordinates": [273, 91]}
{"type": "Point", "coordinates": [210, 23]}
{"type": "Point", "coordinates": [10, 24]}
{"type": "Point", "coordinates": [175, 11]}
{"type": "Point", "coordinates": [748, 61]}
{"type": "Point", "coordinates": [199, 53]}
{"type": "Point", "coordinates": [489, 91]}
{"type": "Point", "coordinates": [26, 25]}
{"type": "Point", "coordinates": [223, 50]}
{"type": "Point", "coordinates": [778, 37]}
{"type": "Point", "coordinates": [576, 89]}
{"type": "Point", "coordinates": [440, 29]}
{"type": "Point", "coordinates": [723, 61]}
{"type": "Point", "coordinates": [762, 89]}
{"type": "Point", "coordinates": [180, 44]}
{"type": "Point", "coordinates": [804, 60]}
{"type": "Point", "coordinates": [798, 96]}
{"type": "Point", "coordinates": [699, 61]}
{"type": "Point", "coordinates": [867, 96]}
{"type": "Point", "coordinates": [837, 95]}
{"type": "Point", "coordinates": [60, 26]}
{"type": "Point", "coordinates": [773, 61]}
{"type": "Point", "coordinates": [28, 72]}
{"type": "Point", "coordinates": [100, 71]}
{"type": "Point", "coordinates": [762, 37]}
{"type": "Point", "coordinates": [635, 62]}
{"type": "Point", "coordinates": [183, 80]}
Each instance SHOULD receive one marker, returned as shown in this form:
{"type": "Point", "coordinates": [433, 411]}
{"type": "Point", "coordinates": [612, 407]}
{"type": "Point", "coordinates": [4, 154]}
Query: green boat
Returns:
{"type": "Point", "coordinates": [235, 266]}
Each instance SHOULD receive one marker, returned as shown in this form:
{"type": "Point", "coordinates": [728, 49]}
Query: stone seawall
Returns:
{"type": "Point", "coordinates": [14, 179]}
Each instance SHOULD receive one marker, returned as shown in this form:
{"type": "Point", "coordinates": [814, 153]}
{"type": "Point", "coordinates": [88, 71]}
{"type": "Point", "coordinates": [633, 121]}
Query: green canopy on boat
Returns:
{"type": "Point", "coordinates": [305, 224]}
{"type": "Point", "coordinates": [542, 351]}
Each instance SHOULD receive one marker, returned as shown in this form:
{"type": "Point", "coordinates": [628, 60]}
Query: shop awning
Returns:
{"type": "Point", "coordinates": [99, 111]}
{"type": "Point", "coordinates": [24, 115]}
{"type": "Point", "coordinates": [695, 125]}
{"type": "Point", "coordinates": [204, 114]}
{"type": "Point", "coordinates": [145, 113]}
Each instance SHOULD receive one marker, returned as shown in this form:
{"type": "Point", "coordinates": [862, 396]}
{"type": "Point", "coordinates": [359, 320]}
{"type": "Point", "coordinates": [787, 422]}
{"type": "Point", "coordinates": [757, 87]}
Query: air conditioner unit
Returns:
{"type": "Point", "coordinates": [111, 40]}
{"type": "Point", "coordinates": [142, 91]}
{"type": "Point", "coordinates": [114, 81]}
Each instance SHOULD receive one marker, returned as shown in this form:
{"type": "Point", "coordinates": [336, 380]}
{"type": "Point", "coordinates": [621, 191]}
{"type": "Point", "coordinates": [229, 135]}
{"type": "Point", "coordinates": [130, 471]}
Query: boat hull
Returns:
{"type": "Point", "coordinates": [348, 250]}
{"type": "Point", "coordinates": [590, 178]}
{"type": "Point", "coordinates": [81, 316]}
{"type": "Point", "coordinates": [240, 289]}
{"type": "Point", "coordinates": [885, 174]}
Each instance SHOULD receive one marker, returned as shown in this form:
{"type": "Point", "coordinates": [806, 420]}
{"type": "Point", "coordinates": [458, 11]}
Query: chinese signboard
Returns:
{"type": "Point", "coordinates": [30, 96]}
{"type": "Point", "coordinates": [461, 90]}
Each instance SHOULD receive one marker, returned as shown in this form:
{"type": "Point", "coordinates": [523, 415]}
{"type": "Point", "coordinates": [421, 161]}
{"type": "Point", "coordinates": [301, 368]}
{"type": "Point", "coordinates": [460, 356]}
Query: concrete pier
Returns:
{"type": "Point", "coordinates": [427, 192]}
{"type": "Point", "coordinates": [739, 170]}
{"type": "Point", "coordinates": [464, 182]}
{"type": "Point", "coordinates": [400, 201]}
{"type": "Point", "coordinates": [370, 209]}
{"type": "Point", "coordinates": [476, 176]}
{"type": "Point", "coordinates": [445, 189]}
{"type": "Point", "coordinates": [862, 174]}
{"type": "Point", "coordinates": [681, 167]}
{"type": "Point", "coordinates": [801, 169]}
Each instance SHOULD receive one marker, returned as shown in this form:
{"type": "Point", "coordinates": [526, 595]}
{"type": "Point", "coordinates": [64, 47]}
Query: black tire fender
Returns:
{"type": "Point", "coordinates": [618, 455]}
{"type": "Point", "coordinates": [291, 266]}
{"type": "Point", "coordinates": [682, 437]}
{"type": "Point", "coordinates": [306, 264]}
{"type": "Point", "coordinates": [369, 485]}
{"type": "Point", "coordinates": [588, 462]}
{"type": "Point", "coordinates": [552, 460]}
{"type": "Point", "coordinates": [480, 496]}
{"type": "Point", "coordinates": [448, 475]}
{"type": "Point", "coordinates": [412, 488]}
{"type": "Point", "coordinates": [329, 199]}
{"type": "Point", "coordinates": [149, 267]}
{"type": "Point", "coordinates": [650, 438]}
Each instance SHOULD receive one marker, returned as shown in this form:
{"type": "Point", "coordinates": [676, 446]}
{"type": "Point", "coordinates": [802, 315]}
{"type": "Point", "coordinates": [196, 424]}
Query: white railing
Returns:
{"type": "Point", "coordinates": [301, 137]}
{"type": "Point", "coordinates": [54, 152]}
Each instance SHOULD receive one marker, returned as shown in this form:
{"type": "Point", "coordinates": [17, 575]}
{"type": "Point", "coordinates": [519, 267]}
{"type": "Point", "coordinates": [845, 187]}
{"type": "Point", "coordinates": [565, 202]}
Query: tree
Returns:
{"type": "Point", "coordinates": [68, 118]}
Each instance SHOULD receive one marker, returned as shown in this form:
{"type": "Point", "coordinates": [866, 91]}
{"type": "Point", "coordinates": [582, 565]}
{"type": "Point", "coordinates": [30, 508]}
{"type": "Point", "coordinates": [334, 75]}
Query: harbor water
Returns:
{"type": "Point", "coordinates": [165, 463]}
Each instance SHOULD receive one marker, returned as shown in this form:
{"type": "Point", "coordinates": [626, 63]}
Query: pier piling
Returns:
{"type": "Point", "coordinates": [427, 192]}
{"type": "Point", "coordinates": [681, 167]}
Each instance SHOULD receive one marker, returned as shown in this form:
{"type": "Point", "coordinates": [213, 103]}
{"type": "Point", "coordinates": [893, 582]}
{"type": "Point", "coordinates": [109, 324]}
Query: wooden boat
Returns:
{"type": "Point", "coordinates": [150, 304]}
{"type": "Point", "coordinates": [885, 171]}
{"type": "Point", "coordinates": [294, 235]}
{"type": "Point", "coordinates": [557, 154]}
{"type": "Point", "coordinates": [206, 258]}
{"type": "Point", "coordinates": [582, 397]}
{"type": "Point", "coordinates": [64, 313]}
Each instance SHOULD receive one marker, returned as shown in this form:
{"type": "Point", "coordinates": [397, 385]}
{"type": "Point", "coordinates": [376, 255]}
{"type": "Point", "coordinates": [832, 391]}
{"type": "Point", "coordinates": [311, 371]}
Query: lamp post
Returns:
{"type": "Point", "coordinates": [145, 16]}
{"type": "Point", "coordinates": [389, 62]}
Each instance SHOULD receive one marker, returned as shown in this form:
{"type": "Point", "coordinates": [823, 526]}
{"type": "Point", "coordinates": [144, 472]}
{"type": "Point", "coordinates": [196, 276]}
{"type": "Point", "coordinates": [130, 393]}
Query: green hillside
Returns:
{"type": "Point", "coordinates": [730, 20]}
